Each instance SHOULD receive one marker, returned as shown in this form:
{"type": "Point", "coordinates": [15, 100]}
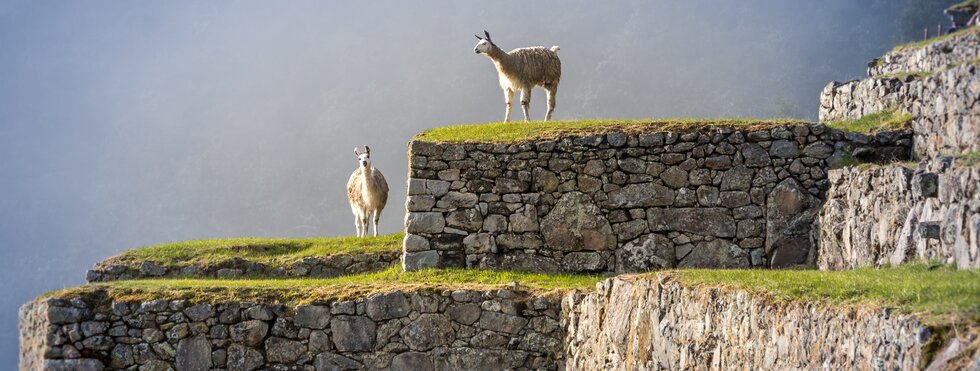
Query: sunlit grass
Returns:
{"type": "Point", "coordinates": [969, 158]}
{"type": "Point", "coordinates": [262, 250]}
{"type": "Point", "coordinates": [889, 119]}
{"type": "Point", "coordinates": [936, 293]}
{"type": "Point", "coordinates": [520, 131]}
{"type": "Point", "coordinates": [919, 44]}
{"type": "Point", "coordinates": [311, 290]}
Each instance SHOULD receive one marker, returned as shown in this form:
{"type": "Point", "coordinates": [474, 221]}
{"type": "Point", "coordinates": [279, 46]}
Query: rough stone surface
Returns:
{"type": "Point", "coordinates": [311, 266]}
{"type": "Point", "coordinates": [575, 224]}
{"type": "Point", "coordinates": [655, 323]}
{"type": "Point", "coordinates": [873, 217]}
{"type": "Point", "coordinates": [789, 216]}
{"type": "Point", "coordinates": [401, 330]}
{"type": "Point", "coordinates": [931, 57]}
{"type": "Point", "coordinates": [944, 108]}
{"type": "Point", "coordinates": [575, 203]}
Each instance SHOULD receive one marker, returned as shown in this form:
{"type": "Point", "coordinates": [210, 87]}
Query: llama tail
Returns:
{"type": "Point", "coordinates": [555, 49]}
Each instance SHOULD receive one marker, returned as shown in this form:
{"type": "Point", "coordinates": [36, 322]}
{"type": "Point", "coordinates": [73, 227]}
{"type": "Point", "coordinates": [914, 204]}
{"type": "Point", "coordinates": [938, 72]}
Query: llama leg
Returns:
{"type": "Point", "coordinates": [551, 90]}
{"type": "Point", "coordinates": [525, 101]}
{"type": "Point", "coordinates": [364, 222]}
{"type": "Point", "coordinates": [357, 224]}
{"type": "Point", "coordinates": [508, 98]}
{"type": "Point", "coordinates": [377, 216]}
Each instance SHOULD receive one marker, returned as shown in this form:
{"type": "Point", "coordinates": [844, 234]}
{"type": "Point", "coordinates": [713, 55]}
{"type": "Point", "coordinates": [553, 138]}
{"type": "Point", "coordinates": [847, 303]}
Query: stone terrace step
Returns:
{"type": "Point", "coordinates": [710, 197]}
{"type": "Point", "coordinates": [944, 107]}
{"type": "Point", "coordinates": [957, 48]}
{"type": "Point", "coordinates": [232, 258]}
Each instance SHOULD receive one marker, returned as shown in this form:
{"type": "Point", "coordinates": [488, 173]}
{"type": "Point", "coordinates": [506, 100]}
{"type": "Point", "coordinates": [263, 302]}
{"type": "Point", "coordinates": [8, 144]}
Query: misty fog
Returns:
{"type": "Point", "coordinates": [129, 123]}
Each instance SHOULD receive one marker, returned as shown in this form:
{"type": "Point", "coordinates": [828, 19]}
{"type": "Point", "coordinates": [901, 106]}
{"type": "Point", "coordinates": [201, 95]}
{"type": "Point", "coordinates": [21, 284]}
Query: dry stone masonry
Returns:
{"type": "Point", "coordinates": [932, 57]}
{"type": "Point", "coordinates": [946, 114]}
{"type": "Point", "coordinates": [311, 266]}
{"type": "Point", "coordinates": [894, 214]}
{"type": "Point", "coordinates": [899, 213]}
{"type": "Point", "coordinates": [617, 202]}
{"type": "Point", "coordinates": [653, 322]}
{"type": "Point", "coordinates": [410, 331]}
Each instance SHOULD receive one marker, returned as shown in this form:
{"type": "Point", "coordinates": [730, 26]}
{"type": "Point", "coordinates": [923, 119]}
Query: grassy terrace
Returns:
{"type": "Point", "coordinates": [938, 294]}
{"type": "Point", "coordinates": [520, 131]}
{"type": "Point", "coordinates": [919, 44]}
{"type": "Point", "coordinates": [262, 250]}
{"type": "Point", "coordinates": [298, 291]}
{"type": "Point", "coordinates": [889, 119]}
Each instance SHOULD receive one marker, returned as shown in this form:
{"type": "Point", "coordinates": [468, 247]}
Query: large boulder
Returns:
{"type": "Point", "coordinates": [353, 333]}
{"type": "Point", "coordinates": [790, 213]}
{"type": "Point", "coordinates": [709, 221]}
{"type": "Point", "coordinates": [716, 253]}
{"type": "Point", "coordinates": [640, 195]}
{"type": "Point", "coordinates": [646, 253]}
{"type": "Point", "coordinates": [194, 353]}
{"type": "Point", "coordinates": [576, 223]}
{"type": "Point", "coordinates": [430, 330]}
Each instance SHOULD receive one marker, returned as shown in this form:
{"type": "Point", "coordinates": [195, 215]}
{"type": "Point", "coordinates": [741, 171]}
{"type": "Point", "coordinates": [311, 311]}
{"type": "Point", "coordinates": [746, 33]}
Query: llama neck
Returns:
{"type": "Point", "coordinates": [367, 177]}
{"type": "Point", "coordinates": [499, 57]}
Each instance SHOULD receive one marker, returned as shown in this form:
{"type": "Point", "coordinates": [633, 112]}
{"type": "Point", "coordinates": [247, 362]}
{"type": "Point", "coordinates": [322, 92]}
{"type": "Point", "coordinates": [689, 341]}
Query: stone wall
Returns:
{"type": "Point", "coordinates": [933, 57]}
{"type": "Point", "coordinates": [649, 323]}
{"type": "Point", "coordinates": [311, 266]}
{"type": "Point", "coordinates": [618, 202]}
{"type": "Point", "coordinates": [894, 214]}
{"type": "Point", "coordinates": [944, 107]}
{"type": "Point", "coordinates": [423, 330]}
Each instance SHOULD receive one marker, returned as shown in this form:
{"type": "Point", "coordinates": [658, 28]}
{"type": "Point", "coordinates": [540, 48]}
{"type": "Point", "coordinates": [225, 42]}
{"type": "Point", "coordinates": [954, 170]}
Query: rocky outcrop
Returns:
{"type": "Point", "coordinates": [654, 322]}
{"type": "Point", "coordinates": [894, 214]}
{"type": "Point", "coordinates": [932, 57]}
{"type": "Point", "coordinates": [422, 330]}
{"type": "Point", "coordinates": [311, 266]}
{"type": "Point", "coordinates": [622, 202]}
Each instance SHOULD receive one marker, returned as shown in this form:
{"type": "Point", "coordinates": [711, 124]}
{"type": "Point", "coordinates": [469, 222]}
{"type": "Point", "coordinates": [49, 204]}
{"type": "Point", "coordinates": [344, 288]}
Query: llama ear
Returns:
{"type": "Point", "coordinates": [478, 37]}
{"type": "Point", "coordinates": [367, 149]}
{"type": "Point", "coordinates": [487, 34]}
{"type": "Point", "coordinates": [355, 152]}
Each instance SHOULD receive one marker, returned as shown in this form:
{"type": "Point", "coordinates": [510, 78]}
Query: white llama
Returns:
{"type": "Point", "coordinates": [523, 69]}
{"type": "Point", "coordinates": [367, 192]}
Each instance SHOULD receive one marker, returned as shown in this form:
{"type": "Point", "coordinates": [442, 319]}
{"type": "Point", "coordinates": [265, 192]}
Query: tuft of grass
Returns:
{"type": "Point", "coordinates": [919, 44]}
{"type": "Point", "coordinates": [262, 250]}
{"type": "Point", "coordinates": [969, 158]}
{"type": "Point", "coordinates": [515, 132]}
{"type": "Point", "coordinates": [305, 290]}
{"type": "Point", "coordinates": [935, 293]}
{"type": "Point", "coordinates": [889, 119]}
{"type": "Point", "coordinates": [966, 5]}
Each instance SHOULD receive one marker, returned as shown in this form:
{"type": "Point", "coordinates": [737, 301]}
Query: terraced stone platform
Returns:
{"type": "Point", "coordinates": [253, 257]}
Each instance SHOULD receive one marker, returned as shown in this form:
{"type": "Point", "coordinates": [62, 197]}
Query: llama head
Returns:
{"type": "Point", "coordinates": [484, 45]}
{"type": "Point", "coordinates": [363, 158]}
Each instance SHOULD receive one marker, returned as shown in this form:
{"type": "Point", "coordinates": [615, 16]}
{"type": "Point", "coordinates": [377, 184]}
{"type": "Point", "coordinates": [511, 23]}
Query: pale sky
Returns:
{"type": "Point", "coordinates": [128, 123]}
